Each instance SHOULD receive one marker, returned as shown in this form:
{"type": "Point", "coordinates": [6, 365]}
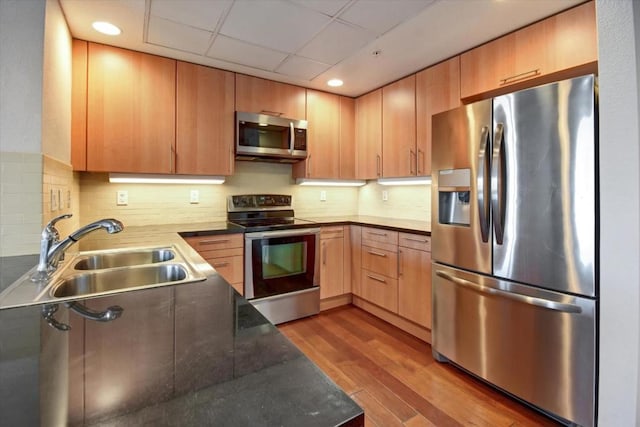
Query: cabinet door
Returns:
{"type": "Point", "coordinates": [204, 120]}
{"type": "Point", "coordinates": [347, 138]}
{"type": "Point", "coordinates": [414, 286]}
{"type": "Point", "coordinates": [323, 137]}
{"type": "Point", "coordinates": [255, 95]}
{"type": "Point", "coordinates": [437, 90]}
{"type": "Point", "coordinates": [331, 267]}
{"type": "Point", "coordinates": [399, 128]}
{"type": "Point", "coordinates": [130, 111]}
{"type": "Point", "coordinates": [369, 135]}
{"type": "Point", "coordinates": [79, 105]}
{"type": "Point", "coordinates": [355, 232]}
{"type": "Point", "coordinates": [573, 34]}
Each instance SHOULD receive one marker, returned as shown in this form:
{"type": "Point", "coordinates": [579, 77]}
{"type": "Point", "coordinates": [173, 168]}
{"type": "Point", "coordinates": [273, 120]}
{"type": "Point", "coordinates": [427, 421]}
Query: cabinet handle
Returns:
{"type": "Point", "coordinates": [377, 279]}
{"type": "Point", "coordinates": [412, 155]}
{"type": "Point", "coordinates": [377, 234]}
{"type": "Point", "coordinates": [378, 165]}
{"type": "Point", "coordinates": [377, 254]}
{"type": "Point", "coordinates": [521, 76]}
{"type": "Point", "coordinates": [399, 262]}
{"type": "Point", "coordinates": [416, 240]}
{"type": "Point", "coordinates": [420, 155]}
{"type": "Point", "coordinates": [324, 253]}
{"type": "Point", "coordinates": [220, 264]}
{"type": "Point", "coordinates": [271, 113]}
{"type": "Point", "coordinates": [172, 152]}
{"type": "Point", "coordinates": [309, 166]}
{"type": "Point", "coordinates": [213, 242]}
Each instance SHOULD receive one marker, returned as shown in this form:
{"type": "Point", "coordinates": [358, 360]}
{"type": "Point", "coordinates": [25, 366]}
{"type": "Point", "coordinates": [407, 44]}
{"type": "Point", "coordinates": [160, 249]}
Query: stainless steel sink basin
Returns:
{"type": "Point", "coordinates": [124, 259]}
{"type": "Point", "coordinates": [118, 279]}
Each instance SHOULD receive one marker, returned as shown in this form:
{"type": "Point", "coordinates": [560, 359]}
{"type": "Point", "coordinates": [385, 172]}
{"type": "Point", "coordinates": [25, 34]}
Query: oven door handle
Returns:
{"type": "Point", "coordinates": [281, 233]}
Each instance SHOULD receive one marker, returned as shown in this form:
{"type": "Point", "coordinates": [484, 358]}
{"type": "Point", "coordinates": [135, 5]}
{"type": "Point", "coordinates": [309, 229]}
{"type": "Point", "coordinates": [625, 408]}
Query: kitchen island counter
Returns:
{"type": "Point", "coordinates": [186, 355]}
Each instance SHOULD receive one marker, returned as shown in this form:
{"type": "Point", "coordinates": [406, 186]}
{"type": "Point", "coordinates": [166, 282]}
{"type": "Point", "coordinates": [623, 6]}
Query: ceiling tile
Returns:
{"type": "Point", "coordinates": [336, 42]}
{"type": "Point", "coordinates": [239, 52]}
{"type": "Point", "coordinates": [177, 36]}
{"type": "Point", "coordinates": [328, 7]}
{"type": "Point", "coordinates": [382, 15]}
{"type": "Point", "coordinates": [203, 14]}
{"type": "Point", "coordinates": [275, 24]}
{"type": "Point", "coordinates": [302, 68]}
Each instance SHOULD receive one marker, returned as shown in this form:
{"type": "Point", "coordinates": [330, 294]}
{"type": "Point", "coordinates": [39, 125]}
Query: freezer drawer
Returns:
{"type": "Point", "coordinates": [535, 344]}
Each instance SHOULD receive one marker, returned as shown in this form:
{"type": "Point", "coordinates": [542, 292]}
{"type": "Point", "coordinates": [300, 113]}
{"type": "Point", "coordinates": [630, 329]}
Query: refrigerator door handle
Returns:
{"type": "Point", "coordinates": [482, 175]}
{"type": "Point", "coordinates": [525, 299]}
{"type": "Point", "coordinates": [498, 183]}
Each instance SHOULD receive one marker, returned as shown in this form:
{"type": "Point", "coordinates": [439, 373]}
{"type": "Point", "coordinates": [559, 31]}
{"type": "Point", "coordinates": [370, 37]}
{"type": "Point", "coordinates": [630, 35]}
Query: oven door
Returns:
{"type": "Point", "coordinates": [280, 262]}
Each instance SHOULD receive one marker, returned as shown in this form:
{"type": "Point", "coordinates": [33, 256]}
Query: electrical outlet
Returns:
{"type": "Point", "coordinates": [194, 196]}
{"type": "Point", "coordinates": [385, 195]}
{"type": "Point", "coordinates": [122, 198]}
{"type": "Point", "coordinates": [323, 196]}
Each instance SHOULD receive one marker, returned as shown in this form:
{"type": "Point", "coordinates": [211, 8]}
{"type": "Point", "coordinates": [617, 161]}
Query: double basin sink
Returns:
{"type": "Point", "coordinates": [122, 269]}
{"type": "Point", "coordinates": [94, 273]}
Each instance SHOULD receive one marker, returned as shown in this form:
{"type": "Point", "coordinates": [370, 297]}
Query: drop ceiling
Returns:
{"type": "Point", "coordinates": [366, 43]}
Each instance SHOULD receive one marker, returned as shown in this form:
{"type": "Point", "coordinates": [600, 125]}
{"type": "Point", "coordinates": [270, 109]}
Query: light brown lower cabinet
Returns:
{"type": "Point", "coordinates": [225, 253]}
{"type": "Point", "coordinates": [335, 267]}
{"type": "Point", "coordinates": [414, 279]}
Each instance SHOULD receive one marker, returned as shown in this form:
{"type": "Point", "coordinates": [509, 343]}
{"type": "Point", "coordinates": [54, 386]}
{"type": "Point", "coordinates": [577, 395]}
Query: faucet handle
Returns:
{"type": "Point", "coordinates": [52, 223]}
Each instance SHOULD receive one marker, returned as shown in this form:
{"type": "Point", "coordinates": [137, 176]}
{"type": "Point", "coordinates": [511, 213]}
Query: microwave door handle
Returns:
{"type": "Point", "coordinates": [292, 137]}
{"type": "Point", "coordinates": [482, 176]}
{"type": "Point", "coordinates": [498, 183]}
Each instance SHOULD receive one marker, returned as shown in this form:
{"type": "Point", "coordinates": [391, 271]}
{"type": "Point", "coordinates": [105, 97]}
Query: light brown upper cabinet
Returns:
{"type": "Point", "coordinates": [347, 138]}
{"type": "Point", "coordinates": [330, 137]}
{"type": "Point", "coordinates": [399, 155]}
{"type": "Point", "coordinates": [369, 135]}
{"type": "Point", "coordinates": [255, 95]}
{"type": "Point", "coordinates": [204, 120]}
{"type": "Point", "coordinates": [130, 111]}
{"type": "Point", "coordinates": [79, 105]}
{"type": "Point", "coordinates": [555, 48]}
{"type": "Point", "coordinates": [323, 137]}
{"type": "Point", "coordinates": [437, 90]}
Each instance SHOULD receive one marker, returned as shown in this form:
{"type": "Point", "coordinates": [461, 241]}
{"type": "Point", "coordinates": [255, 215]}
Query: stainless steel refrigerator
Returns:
{"type": "Point", "coordinates": [514, 244]}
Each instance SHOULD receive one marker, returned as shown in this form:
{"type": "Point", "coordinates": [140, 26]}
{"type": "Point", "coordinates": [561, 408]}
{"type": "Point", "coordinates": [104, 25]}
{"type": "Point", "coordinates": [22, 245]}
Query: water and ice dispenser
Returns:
{"type": "Point", "coordinates": [454, 193]}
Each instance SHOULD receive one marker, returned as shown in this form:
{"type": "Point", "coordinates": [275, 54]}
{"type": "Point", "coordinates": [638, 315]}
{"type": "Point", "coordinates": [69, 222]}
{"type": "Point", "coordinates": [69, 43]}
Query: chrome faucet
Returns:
{"type": "Point", "coordinates": [52, 249]}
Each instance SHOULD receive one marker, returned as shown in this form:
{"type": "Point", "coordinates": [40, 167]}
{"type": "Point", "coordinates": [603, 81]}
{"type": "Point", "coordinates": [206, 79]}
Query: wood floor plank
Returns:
{"type": "Point", "coordinates": [393, 376]}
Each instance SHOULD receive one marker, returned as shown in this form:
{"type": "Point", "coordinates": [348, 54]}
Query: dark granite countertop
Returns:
{"type": "Point", "coordinates": [185, 355]}
{"type": "Point", "coordinates": [394, 224]}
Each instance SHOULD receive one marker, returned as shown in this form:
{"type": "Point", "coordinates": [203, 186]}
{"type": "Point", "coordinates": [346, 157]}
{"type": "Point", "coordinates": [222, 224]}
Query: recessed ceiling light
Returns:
{"type": "Point", "coordinates": [106, 28]}
{"type": "Point", "coordinates": [335, 82]}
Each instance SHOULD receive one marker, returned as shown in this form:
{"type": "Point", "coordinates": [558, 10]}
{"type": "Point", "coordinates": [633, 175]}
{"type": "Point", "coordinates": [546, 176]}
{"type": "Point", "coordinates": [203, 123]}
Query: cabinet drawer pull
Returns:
{"type": "Point", "coordinates": [377, 253]}
{"type": "Point", "coordinates": [213, 242]}
{"type": "Point", "coordinates": [521, 76]}
{"type": "Point", "coordinates": [377, 279]}
{"type": "Point", "coordinates": [417, 240]}
{"type": "Point", "coordinates": [220, 264]}
{"type": "Point", "coordinates": [377, 234]}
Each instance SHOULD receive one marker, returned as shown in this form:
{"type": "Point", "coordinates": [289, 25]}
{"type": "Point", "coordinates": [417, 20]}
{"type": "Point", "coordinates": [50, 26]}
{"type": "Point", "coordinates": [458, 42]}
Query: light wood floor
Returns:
{"type": "Point", "coordinates": [393, 377]}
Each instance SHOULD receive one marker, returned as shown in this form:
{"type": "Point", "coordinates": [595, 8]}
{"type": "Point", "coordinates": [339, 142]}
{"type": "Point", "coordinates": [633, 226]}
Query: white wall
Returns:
{"type": "Point", "coordinates": [620, 212]}
{"type": "Point", "coordinates": [21, 40]}
{"type": "Point", "coordinates": [56, 88]}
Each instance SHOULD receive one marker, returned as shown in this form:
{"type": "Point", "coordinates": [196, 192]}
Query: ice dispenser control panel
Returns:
{"type": "Point", "coordinates": [454, 193]}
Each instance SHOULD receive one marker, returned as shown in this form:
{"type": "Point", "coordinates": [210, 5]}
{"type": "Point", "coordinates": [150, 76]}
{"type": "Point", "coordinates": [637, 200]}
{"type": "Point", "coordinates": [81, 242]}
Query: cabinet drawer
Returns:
{"type": "Point", "coordinates": [230, 268]}
{"type": "Point", "coordinates": [380, 290]}
{"type": "Point", "coordinates": [380, 235]}
{"type": "Point", "coordinates": [221, 253]}
{"type": "Point", "coordinates": [218, 241]}
{"type": "Point", "coordinates": [380, 261]}
{"type": "Point", "coordinates": [415, 241]}
{"type": "Point", "coordinates": [331, 232]}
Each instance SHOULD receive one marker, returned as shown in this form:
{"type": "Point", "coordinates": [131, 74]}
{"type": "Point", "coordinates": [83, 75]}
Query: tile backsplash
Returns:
{"type": "Point", "coordinates": [170, 204]}
{"type": "Point", "coordinates": [21, 207]}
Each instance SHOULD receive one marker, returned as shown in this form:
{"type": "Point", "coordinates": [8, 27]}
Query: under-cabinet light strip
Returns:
{"type": "Point", "coordinates": [416, 180]}
{"type": "Point", "coordinates": [331, 183]}
{"type": "Point", "coordinates": [164, 179]}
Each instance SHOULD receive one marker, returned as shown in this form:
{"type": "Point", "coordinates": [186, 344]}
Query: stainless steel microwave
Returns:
{"type": "Point", "coordinates": [270, 138]}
